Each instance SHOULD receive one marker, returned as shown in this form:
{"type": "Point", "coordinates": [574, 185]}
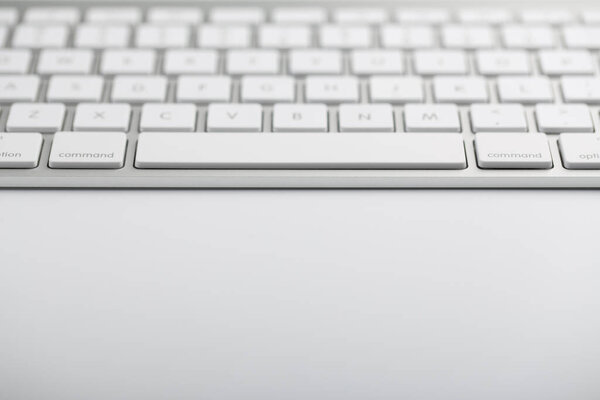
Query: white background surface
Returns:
{"type": "Point", "coordinates": [272, 295]}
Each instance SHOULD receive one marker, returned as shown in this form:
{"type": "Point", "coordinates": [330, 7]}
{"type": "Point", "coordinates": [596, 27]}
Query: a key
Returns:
{"type": "Point", "coordinates": [161, 36]}
{"type": "Point", "coordinates": [14, 88]}
{"type": "Point", "coordinates": [581, 37]}
{"type": "Point", "coordinates": [20, 150]}
{"type": "Point", "coordinates": [546, 16]}
{"type": "Point", "coordinates": [284, 37]}
{"type": "Point", "coordinates": [15, 61]}
{"type": "Point", "coordinates": [224, 36]}
{"type": "Point", "coordinates": [9, 16]}
{"type": "Point", "coordinates": [468, 36]}
{"type": "Point", "coordinates": [345, 36]}
{"type": "Point", "coordinates": [503, 62]}
{"type": "Point", "coordinates": [366, 118]}
{"type": "Point", "coordinates": [75, 89]}
{"type": "Point", "coordinates": [431, 118]}
{"type": "Point", "coordinates": [175, 15]}
{"type": "Point", "coordinates": [102, 117]}
{"type": "Point", "coordinates": [92, 150]}
{"type": "Point", "coordinates": [3, 35]}
{"type": "Point", "coordinates": [300, 118]}
{"type": "Point", "coordinates": [360, 15]}
{"type": "Point", "coordinates": [244, 15]}
{"type": "Point", "coordinates": [591, 16]}
{"type": "Point", "coordinates": [40, 36]}
{"type": "Point", "coordinates": [268, 89]}
{"type": "Point", "coordinates": [485, 15]}
{"type": "Point", "coordinates": [371, 62]}
{"type": "Point", "coordinates": [190, 61]}
{"type": "Point", "coordinates": [407, 37]}
{"type": "Point", "coordinates": [301, 151]}
{"type": "Point", "coordinates": [460, 90]}
{"type": "Point", "coordinates": [527, 90]}
{"type": "Point", "coordinates": [440, 62]}
{"type": "Point", "coordinates": [528, 37]}
{"type": "Point", "coordinates": [97, 36]}
{"type": "Point", "coordinates": [559, 118]}
{"type": "Point", "coordinates": [131, 61]}
{"type": "Point", "coordinates": [332, 89]}
{"type": "Point", "coordinates": [396, 89]}
{"type": "Point", "coordinates": [114, 15]}
{"type": "Point", "coordinates": [242, 62]}
{"type": "Point", "coordinates": [204, 89]}
{"type": "Point", "coordinates": [234, 118]}
{"type": "Point", "coordinates": [512, 151]}
{"type": "Point", "coordinates": [424, 15]}
{"type": "Point", "coordinates": [59, 15]}
{"type": "Point", "coordinates": [307, 62]}
{"type": "Point", "coordinates": [65, 61]}
{"type": "Point", "coordinates": [168, 118]}
{"type": "Point", "coordinates": [299, 15]}
{"type": "Point", "coordinates": [579, 89]}
{"type": "Point", "coordinates": [139, 89]}
{"type": "Point", "coordinates": [35, 117]}
{"type": "Point", "coordinates": [566, 62]}
{"type": "Point", "coordinates": [579, 150]}
{"type": "Point", "coordinates": [498, 118]}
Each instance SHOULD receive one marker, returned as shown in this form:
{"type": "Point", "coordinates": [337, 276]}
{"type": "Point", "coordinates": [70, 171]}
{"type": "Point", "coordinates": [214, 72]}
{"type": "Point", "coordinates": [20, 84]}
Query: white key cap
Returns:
{"type": "Point", "coordinates": [15, 88]}
{"type": "Point", "coordinates": [234, 118]}
{"type": "Point", "coordinates": [179, 15]}
{"type": "Point", "coordinates": [566, 62]}
{"type": "Point", "coordinates": [526, 90]}
{"type": "Point", "coordinates": [75, 89]}
{"type": "Point", "coordinates": [9, 16]}
{"type": "Point", "coordinates": [168, 117]}
{"type": "Point", "coordinates": [162, 36]}
{"type": "Point", "coordinates": [284, 37]}
{"type": "Point", "coordinates": [299, 15]}
{"type": "Point", "coordinates": [440, 62]}
{"type": "Point", "coordinates": [371, 62]}
{"type": "Point", "coordinates": [431, 118]}
{"type": "Point", "coordinates": [528, 37]}
{"type": "Point", "coordinates": [224, 36]}
{"type": "Point", "coordinates": [65, 61]}
{"type": "Point", "coordinates": [40, 36]}
{"type": "Point", "coordinates": [361, 15]}
{"type": "Point", "coordinates": [561, 118]}
{"type": "Point", "coordinates": [332, 89]}
{"type": "Point", "coordinates": [190, 61]}
{"type": "Point", "coordinates": [582, 37]}
{"type": "Point", "coordinates": [301, 151]}
{"type": "Point", "coordinates": [139, 89]}
{"type": "Point", "coordinates": [579, 151]}
{"type": "Point", "coordinates": [35, 117]}
{"type": "Point", "coordinates": [579, 89]}
{"type": "Point", "coordinates": [492, 16]}
{"type": "Point", "coordinates": [204, 89]}
{"type": "Point", "coordinates": [498, 118]}
{"type": "Point", "coordinates": [14, 61]}
{"type": "Point", "coordinates": [93, 150]}
{"type": "Point", "coordinates": [513, 150]}
{"type": "Point", "coordinates": [345, 36]}
{"type": "Point", "coordinates": [468, 36]}
{"type": "Point", "coordinates": [546, 16]}
{"type": "Point", "coordinates": [20, 150]}
{"type": "Point", "coordinates": [114, 15]}
{"type": "Point", "coordinates": [460, 90]}
{"type": "Point", "coordinates": [300, 118]}
{"type": "Point", "coordinates": [121, 61]}
{"type": "Point", "coordinates": [396, 89]}
{"type": "Point", "coordinates": [307, 62]}
{"type": "Point", "coordinates": [503, 62]}
{"type": "Point", "coordinates": [3, 35]}
{"type": "Point", "coordinates": [242, 62]}
{"type": "Point", "coordinates": [249, 15]}
{"type": "Point", "coordinates": [591, 16]}
{"type": "Point", "coordinates": [366, 118]}
{"type": "Point", "coordinates": [422, 15]}
{"type": "Point", "coordinates": [268, 89]}
{"type": "Point", "coordinates": [407, 37]}
{"type": "Point", "coordinates": [102, 117]}
{"type": "Point", "coordinates": [97, 36]}
{"type": "Point", "coordinates": [62, 15]}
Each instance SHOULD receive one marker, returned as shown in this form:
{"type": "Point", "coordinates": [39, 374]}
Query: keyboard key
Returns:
{"type": "Point", "coordinates": [204, 89]}
{"type": "Point", "coordinates": [407, 37]}
{"type": "Point", "coordinates": [559, 118]}
{"type": "Point", "coordinates": [114, 15]}
{"type": "Point", "coordinates": [460, 90]}
{"type": "Point", "coordinates": [581, 37]}
{"type": "Point", "coordinates": [234, 118]}
{"type": "Point", "coordinates": [226, 15]}
{"type": "Point", "coordinates": [396, 89]}
{"type": "Point", "coordinates": [14, 88]}
{"type": "Point", "coordinates": [268, 89]}
{"type": "Point", "coordinates": [498, 118]}
{"type": "Point", "coordinates": [366, 118]}
{"type": "Point", "coordinates": [131, 61]}
{"type": "Point", "coordinates": [102, 117]}
{"type": "Point", "coordinates": [65, 61]}
{"type": "Point", "coordinates": [299, 15]}
{"type": "Point", "coordinates": [440, 62]}
{"type": "Point", "coordinates": [97, 36]}
{"type": "Point", "coordinates": [566, 62]}
{"type": "Point", "coordinates": [35, 117]}
{"type": "Point", "coordinates": [485, 15]}
{"type": "Point", "coordinates": [61, 15]}
{"type": "Point", "coordinates": [168, 117]}
{"type": "Point", "coordinates": [40, 36]}
{"type": "Point", "coordinates": [528, 37]}
{"type": "Point", "coordinates": [527, 90]}
{"type": "Point", "coordinates": [161, 36]}
{"type": "Point", "coordinates": [431, 118]}
{"type": "Point", "coordinates": [93, 150]}
{"type": "Point", "coordinates": [468, 36]}
{"type": "Point", "coordinates": [300, 118]}
{"type": "Point", "coordinates": [332, 89]}
{"type": "Point", "coordinates": [242, 62]}
{"type": "Point", "coordinates": [578, 89]}
{"type": "Point", "coordinates": [512, 150]}
{"type": "Point", "coordinates": [9, 16]}
{"type": "Point", "coordinates": [3, 35]}
{"type": "Point", "coordinates": [307, 62]}
{"type": "Point", "coordinates": [284, 37]}
{"type": "Point", "coordinates": [139, 89]}
{"type": "Point", "coordinates": [186, 61]}
{"type": "Point", "coordinates": [503, 62]}
{"type": "Point", "coordinates": [371, 62]}
{"type": "Point", "coordinates": [20, 150]}
{"type": "Point", "coordinates": [15, 61]}
{"type": "Point", "coordinates": [422, 15]}
{"type": "Point", "coordinates": [175, 15]}
{"type": "Point", "coordinates": [345, 36]}
{"type": "Point", "coordinates": [591, 16]}
{"type": "Point", "coordinates": [546, 16]}
{"type": "Point", "coordinates": [224, 36]}
{"type": "Point", "coordinates": [580, 151]}
{"type": "Point", "coordinates": [75, 89]}
{"type": "Point", "coordinates": [301, 151]}
{"type": "Point", "coordinates": [360, 15]}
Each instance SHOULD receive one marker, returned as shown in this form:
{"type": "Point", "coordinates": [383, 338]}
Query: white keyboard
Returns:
{"type": "Point", "coordinates": [298, 95]}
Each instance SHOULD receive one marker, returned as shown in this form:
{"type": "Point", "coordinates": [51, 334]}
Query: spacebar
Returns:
{"type": "Point", "coordinates": [158, 150]}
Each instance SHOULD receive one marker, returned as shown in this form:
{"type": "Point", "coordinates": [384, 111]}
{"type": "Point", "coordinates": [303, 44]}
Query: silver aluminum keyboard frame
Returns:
{"type": "Point", "coordinates": [131, 177]}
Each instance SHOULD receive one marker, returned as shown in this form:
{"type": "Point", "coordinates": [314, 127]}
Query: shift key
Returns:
{"type": "Point", "coordinates": [20, 150]}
